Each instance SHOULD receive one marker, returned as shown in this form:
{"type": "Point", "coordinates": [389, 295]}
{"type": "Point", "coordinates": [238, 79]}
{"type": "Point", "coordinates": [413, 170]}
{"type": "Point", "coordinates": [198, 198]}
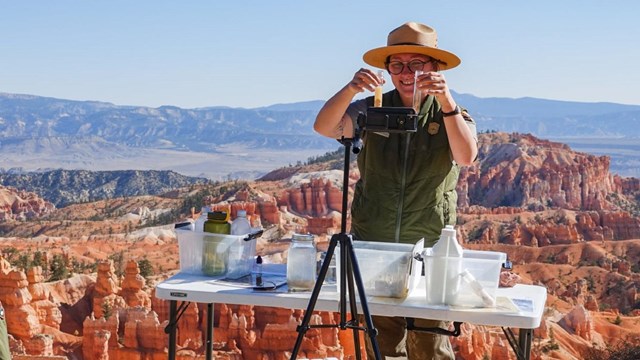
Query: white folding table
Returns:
{"type": "Point", "coordinates": [526, 302]}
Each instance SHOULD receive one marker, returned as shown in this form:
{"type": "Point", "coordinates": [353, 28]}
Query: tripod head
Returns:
{"type": "Point", "coordinates": [354, 143]}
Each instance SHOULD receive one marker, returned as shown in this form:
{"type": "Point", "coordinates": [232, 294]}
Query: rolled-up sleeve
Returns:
{"type": "Point", "coordinates": [355, 108]}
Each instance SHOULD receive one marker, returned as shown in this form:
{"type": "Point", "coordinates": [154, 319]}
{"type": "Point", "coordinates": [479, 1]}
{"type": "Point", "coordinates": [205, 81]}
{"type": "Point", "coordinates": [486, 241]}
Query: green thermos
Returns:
{"type": "Point", "coordinates": [214, 252]}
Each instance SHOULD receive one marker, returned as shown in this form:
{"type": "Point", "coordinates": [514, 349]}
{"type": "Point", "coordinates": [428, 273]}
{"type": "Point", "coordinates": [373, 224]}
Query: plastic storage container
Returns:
{"type": "Point", "coordinates": [330, 276]}
{"type": "Point", "coordinates": [479, 277]}
{"type": "Point", "coordinates": [190, 248]}
{"type": "Point", "coordinates": [386, 269]}
{"type": "Point", "coordinates": [225, 255]}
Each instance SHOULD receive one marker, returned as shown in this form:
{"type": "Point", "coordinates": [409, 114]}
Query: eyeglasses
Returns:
{"type": "Point", "coordinates": [396, 67]}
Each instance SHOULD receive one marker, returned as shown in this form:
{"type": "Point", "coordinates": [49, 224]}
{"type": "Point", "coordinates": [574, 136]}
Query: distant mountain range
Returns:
{"type": "Point", "coordinates": [40, 133]}
{"type": "Point", "coordinates": [64, 187]}
{"type": "Point", "coordinates": [554, 119]}
{"type": "Point", "coordinates": [29, 117]}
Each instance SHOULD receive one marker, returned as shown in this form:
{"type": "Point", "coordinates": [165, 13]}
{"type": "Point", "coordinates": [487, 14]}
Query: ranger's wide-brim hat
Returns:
{"type": "Point", "coordinates": [412, 38]}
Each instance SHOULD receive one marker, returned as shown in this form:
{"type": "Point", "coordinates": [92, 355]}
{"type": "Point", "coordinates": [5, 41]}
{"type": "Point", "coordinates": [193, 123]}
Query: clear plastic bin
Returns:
{"type": "Point", "coordinates": [387, 269]}
{"type": "Point", "coordinates": [217, 255]}
{"type": "Point", "coordinates": [479, 277]}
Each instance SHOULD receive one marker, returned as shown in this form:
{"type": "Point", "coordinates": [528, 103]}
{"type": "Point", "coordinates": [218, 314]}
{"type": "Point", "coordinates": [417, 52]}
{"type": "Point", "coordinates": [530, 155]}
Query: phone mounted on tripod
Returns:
{"type": "Point", "coordinates": [388, 119]}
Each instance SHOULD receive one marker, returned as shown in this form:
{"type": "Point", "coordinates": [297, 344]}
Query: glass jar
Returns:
{"type": "Point", "coordinates": [301, 263]}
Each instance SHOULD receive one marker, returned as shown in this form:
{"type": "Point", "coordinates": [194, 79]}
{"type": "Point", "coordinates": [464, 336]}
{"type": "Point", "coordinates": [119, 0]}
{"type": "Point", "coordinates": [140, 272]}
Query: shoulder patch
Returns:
{"type": "Point", "coordinates": [467, 117]}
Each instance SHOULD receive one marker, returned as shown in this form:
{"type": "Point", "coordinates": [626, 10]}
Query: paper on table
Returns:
{"type": "Point", "coordinates": [523, 304]}
{"type": "Point", "coordinates": [503, 305]}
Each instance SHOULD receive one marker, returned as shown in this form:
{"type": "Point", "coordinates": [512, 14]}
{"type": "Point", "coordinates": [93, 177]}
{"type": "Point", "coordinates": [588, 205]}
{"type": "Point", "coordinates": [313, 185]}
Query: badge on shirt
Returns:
{"type": "Point", "coordinates": [433, 128]}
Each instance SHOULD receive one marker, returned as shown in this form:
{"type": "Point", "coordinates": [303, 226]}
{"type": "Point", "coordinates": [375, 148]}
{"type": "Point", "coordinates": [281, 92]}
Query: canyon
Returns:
{"type": "Point", "coordinates": [563, 219]}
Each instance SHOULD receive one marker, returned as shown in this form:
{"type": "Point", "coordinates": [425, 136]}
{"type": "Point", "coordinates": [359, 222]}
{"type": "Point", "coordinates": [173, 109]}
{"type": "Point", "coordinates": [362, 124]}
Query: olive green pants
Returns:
{"type": "Point", "coordinates": [394, 340]}
{"type": "Point", "coordinates": [5, 354]}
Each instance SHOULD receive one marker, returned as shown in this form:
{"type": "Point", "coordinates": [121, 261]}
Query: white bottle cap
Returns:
{"type": "Point", "coordinates": [449, 230]}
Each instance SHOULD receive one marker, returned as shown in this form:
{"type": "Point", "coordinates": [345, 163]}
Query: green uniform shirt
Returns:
{"type": "Point", "coordinates": [407, 185]}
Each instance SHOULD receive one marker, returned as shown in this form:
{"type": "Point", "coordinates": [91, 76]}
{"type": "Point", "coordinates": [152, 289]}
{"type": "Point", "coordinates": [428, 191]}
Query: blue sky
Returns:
{"type": "Point", "coordinates": [255, 53]}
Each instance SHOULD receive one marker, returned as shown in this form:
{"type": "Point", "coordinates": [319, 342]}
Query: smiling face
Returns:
{"type": "Point", "coordinates": [404, 67]}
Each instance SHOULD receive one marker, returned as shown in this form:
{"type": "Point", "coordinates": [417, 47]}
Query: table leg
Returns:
{"type": "Point", "coordinates": [173, 311]}
{"type": "Point", "coordinates": [525, 338]}
{"type": "Point", "coordinates": [209, 342]}
{"type": "Point", "coordinates": [522, 348]}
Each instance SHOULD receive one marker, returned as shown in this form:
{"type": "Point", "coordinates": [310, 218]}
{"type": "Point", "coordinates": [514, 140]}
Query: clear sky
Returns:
{"type": "Point", "coordinates": [255, 53]}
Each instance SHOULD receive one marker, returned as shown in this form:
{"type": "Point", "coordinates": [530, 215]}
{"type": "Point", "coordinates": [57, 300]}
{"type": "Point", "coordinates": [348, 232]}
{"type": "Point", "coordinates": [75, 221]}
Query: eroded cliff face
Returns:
{"type": "Point", "coordinates": [22, 205]}
{"type": "Point", "coordinates": [126, 324]}
{"type": "Point", "coordinates": [573, 196]}
{"type": "Point", "coordinates": [523, 171]}
{"type": "Point", "coordinates": [33, 316]}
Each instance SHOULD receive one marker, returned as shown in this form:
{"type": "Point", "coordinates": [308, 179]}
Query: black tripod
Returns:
{"type": "Point", "coordinates": [349, 271]}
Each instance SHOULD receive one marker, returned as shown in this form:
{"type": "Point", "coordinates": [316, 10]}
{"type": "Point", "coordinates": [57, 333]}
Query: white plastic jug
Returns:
{"type": "Point", "coordinates": [445, 269]}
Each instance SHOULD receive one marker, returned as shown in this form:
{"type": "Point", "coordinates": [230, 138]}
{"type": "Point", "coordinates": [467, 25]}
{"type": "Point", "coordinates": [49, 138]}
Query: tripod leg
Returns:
{"type": "Point", "coordinates": [355, 322]}
{"type": "Point", "coordinates": [371, 330]}
{"type": "Point", "coordinates": [345, 281]}
{"type": "Point", "coordinates": [304, 326]}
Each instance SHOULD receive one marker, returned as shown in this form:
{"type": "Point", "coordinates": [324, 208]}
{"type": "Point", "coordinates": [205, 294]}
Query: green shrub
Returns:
{"type": "Point", "coordinates": [622, 351]}
{"type": "Point", "coordinates": [146, 268]}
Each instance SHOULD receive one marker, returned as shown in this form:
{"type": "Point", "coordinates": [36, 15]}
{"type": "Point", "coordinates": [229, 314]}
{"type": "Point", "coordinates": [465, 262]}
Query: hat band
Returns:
{"type": "Point", "coordinates": [409, 43]}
